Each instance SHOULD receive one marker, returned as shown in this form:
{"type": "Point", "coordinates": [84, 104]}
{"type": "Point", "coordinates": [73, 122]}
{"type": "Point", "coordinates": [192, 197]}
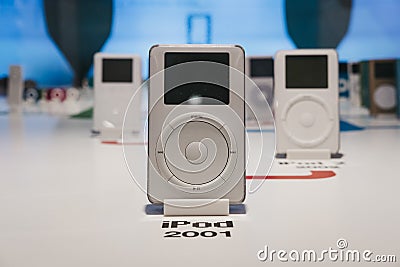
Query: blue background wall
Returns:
{"type": "Point", "coordinates": [258, 25]}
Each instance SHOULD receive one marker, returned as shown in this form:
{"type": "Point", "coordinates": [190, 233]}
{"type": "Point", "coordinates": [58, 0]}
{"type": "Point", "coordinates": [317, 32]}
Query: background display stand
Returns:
{"type": "Point", "coordinates": [110, 134]}
{"type": "Point", "coordinates": [195, 207]}
{"type": "Point", "coordinates": [299, 154]}
{"type": "Point", "coordinates": [308, 154]}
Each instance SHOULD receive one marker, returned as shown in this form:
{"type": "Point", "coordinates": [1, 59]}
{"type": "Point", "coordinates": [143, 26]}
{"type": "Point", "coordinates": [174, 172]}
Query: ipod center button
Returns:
{"type": "Point", "coordinates": [307, 119]}
{"type": "Point", "coordinates": [196, 152]}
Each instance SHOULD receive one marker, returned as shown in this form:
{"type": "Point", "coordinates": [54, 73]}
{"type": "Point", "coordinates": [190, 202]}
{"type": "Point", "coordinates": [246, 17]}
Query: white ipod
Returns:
{"type": "Point", "coordinates": [355, 84]}
{"type": "Point", "coordinates": [196, 128]}
{"type": "Point", "coordinates": [306, 102]}
{"type": "Point", "coordinates": [15, 87]}
{"type": "Point", "coordinates": [117, 77]}
{"type": "Point", "coordinates": [260, 69]}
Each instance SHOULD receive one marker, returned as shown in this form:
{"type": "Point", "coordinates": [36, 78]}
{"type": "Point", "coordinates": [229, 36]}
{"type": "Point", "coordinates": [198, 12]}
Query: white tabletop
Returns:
{"type": "Point", "coordinates": [66, 199]}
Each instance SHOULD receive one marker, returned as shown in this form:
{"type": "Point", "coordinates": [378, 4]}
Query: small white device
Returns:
{"type": "Point", "coordinates": [344, 83]}
{"type": "Point", "coordinates": [31, 95]}
{"type": "Point", "coordinates": [15, 87]}
{"type": "Point", "coordinates": [260, 69]}
{"type": "Point", "coordinates": [355, 84]}
{"type": "Point", "coordinates": [72, 95]}
{"type": "Point", "coordinates": [306, 103]}
{"type": "Point", "coordinates": [31, 98]}
{"type": "Point", "coordinates": [71, 105]}
{"type": "Point", "coordinates": [196, 130]}
{"type": "Point", "coordinates": [117, 77]}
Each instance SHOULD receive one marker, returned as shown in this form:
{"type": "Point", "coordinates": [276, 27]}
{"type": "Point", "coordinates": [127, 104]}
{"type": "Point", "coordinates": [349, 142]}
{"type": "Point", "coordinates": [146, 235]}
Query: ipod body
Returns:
{"type": "Point", "coordinates": [260, 69]}
{"type": "Point", "coordinates": [196, 124]}
{"type": "Point", "coordinates": [56, 94]}
{"type": "Point", "coordinates": [15, 87]}
{"type": "Point", "coordinates": [398, 86]}
{"type": "Point", "coordinates": [306, 100]}
{"type": "Point", "coordinates": [32, 95]}
{"type": "Point", "coordinates": [364, 71]}
{"type": "Point", "coordinates": [72, 94]}
{"type": "Point", "coordinates": [355, 84]}
{"type": "Point", "coordinates": [117, 77]}
{"type": "Point", "coordinates": [382, 86]}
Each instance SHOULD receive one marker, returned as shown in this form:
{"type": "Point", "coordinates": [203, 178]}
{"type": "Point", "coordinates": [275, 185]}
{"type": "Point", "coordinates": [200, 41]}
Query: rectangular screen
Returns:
{"type": "Point", "coordinates": [307, 71]}
{"type": "Point", "coordinates": [261, 67]}
{"type": "Point", "coordinates": [343, 67]}
{"type": "Point", "coordinates": [117, 70]}
{"type": "Point", "coordinates": [385, 70]}
{"type": "Point", "coordinates": [355, 68]}
{"type": "Point", "coordinates": [196, 84]}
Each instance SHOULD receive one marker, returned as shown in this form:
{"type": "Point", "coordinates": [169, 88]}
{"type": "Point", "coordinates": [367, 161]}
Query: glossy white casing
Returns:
{"type": "Point", "coordinates": [306, 119]}
{"type": "Point", "coordinates": [254, 99]}
{"type": "Point", "coordinates": [15, 87]}
{"type": "Point", "coordinates": [163, 120]}
{"type": "Point", "coordinates": [111, 99]}
{"type": "Point", "coordinates": [355, 86]}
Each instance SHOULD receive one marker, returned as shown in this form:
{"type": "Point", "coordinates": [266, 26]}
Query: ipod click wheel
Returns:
{"type": "Point", "coordinates": [196, 131]}
{"type": "Point", "coordinates": [117, 79]}
{"type": "Point", "coordinates": [306, 103]}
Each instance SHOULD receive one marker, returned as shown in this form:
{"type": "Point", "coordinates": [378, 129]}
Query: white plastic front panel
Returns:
{"type": "Point", "coordinates": [306, 118]}
{"type": "Point", "coordinates": [111, 99]}
{"type": "Point", "coordinates": [258, 94]}
{"type": "Point", "coordinates": [230, 116]}
{"type": "Point", "coordinates": [15, 86]}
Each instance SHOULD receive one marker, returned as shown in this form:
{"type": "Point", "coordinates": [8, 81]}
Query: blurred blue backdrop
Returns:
{"type": "Point", "coordinates": [258, 25]}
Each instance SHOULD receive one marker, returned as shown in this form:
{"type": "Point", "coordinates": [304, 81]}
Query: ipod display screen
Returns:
{"type": "Point", "coordinates": [117, 70]}
{"type": "Point", "coordinates": [343, 67]}
{"type": "Point", "coordinates": [261, 67]}
{"type": "Point", "coordinates": [355, 68]}
{"type": "Point", "coordinates": [197, 84]}
{"type": "Point", "coordinates": [307, 71]}
{"type": "Point", "coordinates": [384, 70]}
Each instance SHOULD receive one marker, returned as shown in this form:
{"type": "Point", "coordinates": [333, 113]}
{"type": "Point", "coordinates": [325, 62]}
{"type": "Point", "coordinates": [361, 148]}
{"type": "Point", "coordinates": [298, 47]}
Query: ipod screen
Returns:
{"type": "Point", "coordinates": [355, 68]}
{"type": "Point", "coordinates": [117, 70]}
{"type": "Point", "coordinates": [196, 84]}
{"type": "Point", "coordinates": [261, 67]}
{"type": "Point", "coordinates": [343, 66]}
{"type": "Point", "coordinates": [384, 70]}
{"type": "Point", "coordinates": [307, 71]}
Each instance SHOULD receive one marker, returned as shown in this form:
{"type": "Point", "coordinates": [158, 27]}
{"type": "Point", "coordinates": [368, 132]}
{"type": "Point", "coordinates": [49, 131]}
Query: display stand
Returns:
{"type": "Point", "coordinates": [308, 154]}
{"type": "Point", "coordinates": [110, 134]}
{"type": "Point", "coordinates": [158, 209]}
{"type": "Point", "coordinates": [196, 207]}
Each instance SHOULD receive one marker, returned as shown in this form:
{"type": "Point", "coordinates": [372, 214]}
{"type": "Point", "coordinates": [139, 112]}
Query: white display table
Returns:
{"type": "Point", "coordinates": [66, 199]}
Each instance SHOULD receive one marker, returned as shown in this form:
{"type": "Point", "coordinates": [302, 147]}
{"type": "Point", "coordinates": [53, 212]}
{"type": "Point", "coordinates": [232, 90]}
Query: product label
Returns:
{"type": "Point", "coordinates": [197, 229]}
